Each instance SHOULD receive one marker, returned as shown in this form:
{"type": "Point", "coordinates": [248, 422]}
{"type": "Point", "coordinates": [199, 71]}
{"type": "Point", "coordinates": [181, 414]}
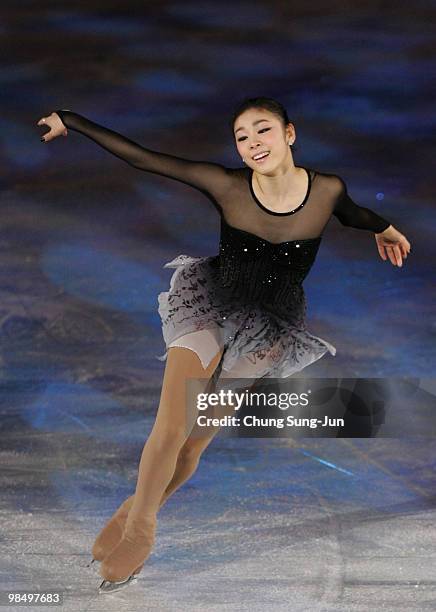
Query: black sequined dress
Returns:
{"type": "Point", "coordinates": [251, 292]}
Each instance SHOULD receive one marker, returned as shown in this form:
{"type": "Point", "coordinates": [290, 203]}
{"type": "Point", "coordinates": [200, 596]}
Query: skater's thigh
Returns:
{"type": "Point", "coordinates": [177, 412]}
{"type": "Point", "coordinates": [206, 343]}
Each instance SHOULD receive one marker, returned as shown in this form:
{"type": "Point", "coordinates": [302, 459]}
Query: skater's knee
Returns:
{"type": "Point", "coordinates": [168, 439]}
{"type": "Point", "coordinates": [189, 456]}
{"type": "Point", "coordinates": [192, 450]}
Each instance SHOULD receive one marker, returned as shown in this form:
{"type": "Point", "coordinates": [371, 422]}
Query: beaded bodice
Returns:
{"type": "Point", "coordinates": [257, 270]}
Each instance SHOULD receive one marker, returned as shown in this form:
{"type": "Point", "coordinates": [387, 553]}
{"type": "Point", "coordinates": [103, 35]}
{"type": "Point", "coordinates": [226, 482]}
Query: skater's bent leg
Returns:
{"type": "Point", "coordinates": [187, 462]}
{"type": "Point", "coordinates": [193, 448]}
{"type": "Point", "coordinates": [191, 451]}
{"type": "Point", "coordinates": [172, 426]}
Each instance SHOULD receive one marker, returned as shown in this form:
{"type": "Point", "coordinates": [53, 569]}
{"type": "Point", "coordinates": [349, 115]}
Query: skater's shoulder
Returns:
{"type": "Point", "coordinates": [330, 182]}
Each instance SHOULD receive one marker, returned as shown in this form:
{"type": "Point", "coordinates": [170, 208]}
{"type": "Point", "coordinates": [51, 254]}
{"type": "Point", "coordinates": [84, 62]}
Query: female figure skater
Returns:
{"type": "Point", "coordinates": [240, 313]}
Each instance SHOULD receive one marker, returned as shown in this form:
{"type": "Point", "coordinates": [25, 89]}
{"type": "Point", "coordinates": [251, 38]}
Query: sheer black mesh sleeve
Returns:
{"type": "Point", "coordinates": [210, 178]}
{"type": "Point", "coordinates": [353, 215]}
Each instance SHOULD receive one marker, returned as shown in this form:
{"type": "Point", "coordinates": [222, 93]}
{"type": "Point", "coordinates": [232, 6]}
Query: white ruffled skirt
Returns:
{"type": "Point", "coordinates": [256, 342]}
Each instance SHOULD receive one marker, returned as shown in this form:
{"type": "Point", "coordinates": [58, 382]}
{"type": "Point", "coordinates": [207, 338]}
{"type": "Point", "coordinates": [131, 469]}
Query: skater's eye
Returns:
{"type": "Point", "coordinates": [260, 131]}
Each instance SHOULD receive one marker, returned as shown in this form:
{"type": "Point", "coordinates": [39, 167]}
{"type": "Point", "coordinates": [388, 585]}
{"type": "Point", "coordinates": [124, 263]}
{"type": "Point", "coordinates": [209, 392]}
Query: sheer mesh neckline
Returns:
{"type": "Point", "coordinates": [249, 176]}
{"type": "Point", "coordinates": [274, 244]}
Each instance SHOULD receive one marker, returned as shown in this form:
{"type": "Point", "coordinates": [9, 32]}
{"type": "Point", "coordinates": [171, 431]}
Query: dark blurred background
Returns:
{"type": "Point", "coordinates": [83, 241]}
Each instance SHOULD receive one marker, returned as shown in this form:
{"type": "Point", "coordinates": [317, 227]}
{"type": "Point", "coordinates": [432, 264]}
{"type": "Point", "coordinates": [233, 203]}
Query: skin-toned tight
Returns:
{"type": "Point", "coordinates": [169, 457]}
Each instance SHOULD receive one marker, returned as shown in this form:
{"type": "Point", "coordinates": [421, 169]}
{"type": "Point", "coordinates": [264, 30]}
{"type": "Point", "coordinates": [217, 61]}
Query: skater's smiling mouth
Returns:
{"type": "Point", "coordinates": [261, 155]}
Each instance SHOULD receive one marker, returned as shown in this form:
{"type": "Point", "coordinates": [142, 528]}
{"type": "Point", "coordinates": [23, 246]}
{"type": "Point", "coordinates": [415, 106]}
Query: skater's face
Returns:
{"type": "Point", "coordinates": [258, 130]}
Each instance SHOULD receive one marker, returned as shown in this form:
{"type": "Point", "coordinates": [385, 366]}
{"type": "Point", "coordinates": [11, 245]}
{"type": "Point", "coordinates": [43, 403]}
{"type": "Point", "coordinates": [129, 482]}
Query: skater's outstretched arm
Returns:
{"type": "Point", "coordinates": [391, 243]}
{"type": "Point", "coordinates": [207, 177]}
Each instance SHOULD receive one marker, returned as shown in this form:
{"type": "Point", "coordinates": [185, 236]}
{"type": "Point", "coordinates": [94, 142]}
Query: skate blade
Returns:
{"type": "Point", "coordinates": [111, 587]}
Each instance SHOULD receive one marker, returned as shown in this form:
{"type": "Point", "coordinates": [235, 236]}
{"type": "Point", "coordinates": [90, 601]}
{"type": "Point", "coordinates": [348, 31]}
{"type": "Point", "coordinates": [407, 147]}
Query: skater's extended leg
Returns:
{"type": "Point", "coordinates": [175, 419]}
{"type": "Point", "coordinates": [187, 463]}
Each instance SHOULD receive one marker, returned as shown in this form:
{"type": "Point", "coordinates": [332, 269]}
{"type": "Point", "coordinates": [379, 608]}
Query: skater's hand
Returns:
{"type": "Point", "coordinates": [391, 243]}
{"type": "Point", "coordinates": [56, 126]}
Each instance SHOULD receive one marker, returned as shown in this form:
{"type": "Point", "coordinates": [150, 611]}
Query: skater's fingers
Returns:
{"type": "Point", "coordinates": [398, 256]}
{"type": "Point", "coordinates": [47, 136]}
{"type": "Point", "coordinates": [390, 255]}
{"type": "Point", "coordinates": [382, 252]}
{"type": "Point", "coordinates": [395, 256]}
{"type": "Point", "coordinates": [57, 128]}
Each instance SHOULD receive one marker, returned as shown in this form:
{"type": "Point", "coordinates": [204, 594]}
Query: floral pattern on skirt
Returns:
{"type": "Point", "coordinates": [257, 342]}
